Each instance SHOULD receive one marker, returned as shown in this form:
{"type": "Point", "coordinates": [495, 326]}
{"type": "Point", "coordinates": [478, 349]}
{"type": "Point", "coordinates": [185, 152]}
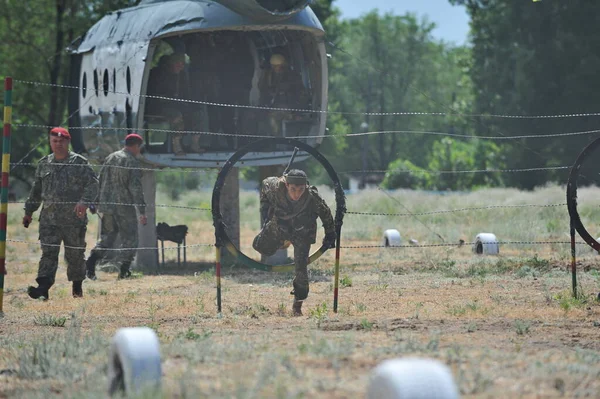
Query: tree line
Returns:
{"type": "Point", "coordinates": [524, 58]}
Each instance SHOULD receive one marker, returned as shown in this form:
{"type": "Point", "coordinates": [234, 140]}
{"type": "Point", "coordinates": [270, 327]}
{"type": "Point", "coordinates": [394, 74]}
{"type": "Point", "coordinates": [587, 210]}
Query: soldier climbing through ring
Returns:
{"type": "Point", "coordinates": [289, 209]}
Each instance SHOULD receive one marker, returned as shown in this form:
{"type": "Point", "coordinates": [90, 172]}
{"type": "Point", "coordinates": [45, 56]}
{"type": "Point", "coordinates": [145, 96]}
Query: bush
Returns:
{"type": "Point", "coordinates": [404, 174]}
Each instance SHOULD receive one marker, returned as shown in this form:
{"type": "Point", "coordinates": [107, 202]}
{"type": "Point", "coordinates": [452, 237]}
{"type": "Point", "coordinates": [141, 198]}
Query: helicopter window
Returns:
{"type": "Point", "coordinates": [105, 82]}
{"type": "Point", "coordinates": [128, 78]}
{"type": "Point", "coordinates": [96, 82]}
{"type": "Point", "coordinates": [114, 80]}
{"type": "Point", "coordinates": [84, 85]}
{"type": "Point", "coordinates": [279, 71]}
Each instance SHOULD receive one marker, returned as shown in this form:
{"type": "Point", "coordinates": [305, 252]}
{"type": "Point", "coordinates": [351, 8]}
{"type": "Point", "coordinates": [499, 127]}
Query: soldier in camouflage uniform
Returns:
{"type": "Point", "coordinates": [289, 209]}
{"type": "Point", "coordinates": [120, 189]}
{"type": "Point", "coordinates": [66, 185]}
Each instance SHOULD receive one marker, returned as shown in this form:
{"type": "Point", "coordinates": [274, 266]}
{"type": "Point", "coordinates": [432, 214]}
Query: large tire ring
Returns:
{"type": "Point", "coordinates": [572, 195]}
{"type": "Point", "coordinates": [222, 239]}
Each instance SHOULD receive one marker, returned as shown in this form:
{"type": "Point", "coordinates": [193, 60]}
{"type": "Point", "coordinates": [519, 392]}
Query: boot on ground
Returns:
{"type": "Point", "coordinates": [297, 308]}
{"type": "Point", "coordinates": [90, 266]}
{"type": "Point", "coordinates": [41, 291]}
{"type": "Point", "coordinates": [125, 272]}
{"type": "Point", "coordinates": [77, 289]}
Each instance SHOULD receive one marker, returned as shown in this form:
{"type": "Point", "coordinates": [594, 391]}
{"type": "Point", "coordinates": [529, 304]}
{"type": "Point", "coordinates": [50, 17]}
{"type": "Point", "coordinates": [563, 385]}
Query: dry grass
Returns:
{"type": "Point", "coordinates": [506, 325]}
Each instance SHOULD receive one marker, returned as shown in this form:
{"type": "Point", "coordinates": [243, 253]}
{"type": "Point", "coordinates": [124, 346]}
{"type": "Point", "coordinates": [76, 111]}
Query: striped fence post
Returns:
{"type": "Point", "coordinates": [4, 186]}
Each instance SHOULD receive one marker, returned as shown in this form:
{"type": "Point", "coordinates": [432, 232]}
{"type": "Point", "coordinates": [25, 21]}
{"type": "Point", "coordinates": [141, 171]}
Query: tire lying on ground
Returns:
{"type": "Point", "coordinates": [412, 378]}
{"type": "Point", "coordinates": [486, 244]}
{"type": "Point", "coordinates": [392, 238]}
{"type": "Point", "coordinates": [134, 364]}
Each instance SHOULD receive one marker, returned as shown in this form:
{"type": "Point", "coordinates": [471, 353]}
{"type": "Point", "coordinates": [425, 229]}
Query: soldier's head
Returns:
{"type": "Point", "coordinates": [175, 62]}
{"type": "Point", "coordinates": [296, 182]}
{"type": "Point", "coordinates": [133, 143]}
{"type": "Point", "coordinates": [59, 142]}
{"type": "Point", "coordinates": [278, 63]}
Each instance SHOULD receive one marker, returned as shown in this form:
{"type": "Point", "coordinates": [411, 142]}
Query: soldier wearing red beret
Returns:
{"type": "Point", "coordinates": [120, 194]}
{"type": "Point", "coordinates": [66, 185]}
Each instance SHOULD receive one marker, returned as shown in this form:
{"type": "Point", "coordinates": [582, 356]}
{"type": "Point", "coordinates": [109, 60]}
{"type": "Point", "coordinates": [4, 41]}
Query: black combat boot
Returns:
{"type": "Point", "coordinates": [77, 289]}
{"type": "Point", "coordinates": [44, 284]}
{"type": "Point", "coordinates": [297, 308]}
{"type": "Point", "coordinates": [90, 266]}
{"type": "Point", "coordinates": [125, 272]}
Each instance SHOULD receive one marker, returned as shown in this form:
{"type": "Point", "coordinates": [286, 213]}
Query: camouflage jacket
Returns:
{"type": "Point", "coordinates": [300, 217]}
{"type": "Point", "coordinates": [60, 185]}
{"type": "Point", "coordinates": [121, 183]}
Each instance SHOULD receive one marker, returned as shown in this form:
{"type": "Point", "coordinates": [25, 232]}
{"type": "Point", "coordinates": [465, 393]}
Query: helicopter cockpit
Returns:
{"type": "Point", "coordinates": [221, 88]}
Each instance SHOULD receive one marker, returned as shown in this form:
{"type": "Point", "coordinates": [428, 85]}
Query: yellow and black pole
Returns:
{"type": "Point", "coordinates": [573, 261]}
{"type": "Point", "coordinates": [218, 275]}
{"type": "Point", "coordinates": [4, 186]}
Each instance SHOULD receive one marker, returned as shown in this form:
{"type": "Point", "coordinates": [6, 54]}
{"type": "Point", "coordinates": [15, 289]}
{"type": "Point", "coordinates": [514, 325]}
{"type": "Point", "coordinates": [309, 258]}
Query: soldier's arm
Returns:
{"type": "Point", "coordinates": [34, 200]}
{"type": "Point", "coordinates": [91, 185]}
{"type": "Point", "coordinates": [323, 212]}
{"type": "Point", "coordinates": [265, 203]}
{"type": "Point", "coordinates": [137, 192]}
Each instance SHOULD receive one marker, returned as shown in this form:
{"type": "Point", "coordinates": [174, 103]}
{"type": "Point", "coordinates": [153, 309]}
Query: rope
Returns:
{"type": "Point", "coordinates": [575, 115]}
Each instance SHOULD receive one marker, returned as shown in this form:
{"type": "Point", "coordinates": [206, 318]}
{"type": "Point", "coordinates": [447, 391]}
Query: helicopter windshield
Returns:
{"type": "Point", "coordinates": [231, 84]}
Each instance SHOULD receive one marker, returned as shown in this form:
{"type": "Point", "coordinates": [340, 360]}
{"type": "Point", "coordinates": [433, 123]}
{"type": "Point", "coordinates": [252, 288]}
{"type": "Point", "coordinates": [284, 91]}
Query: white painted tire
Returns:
{"type": "Point", "coordinates": [134, 364]}
{"type": "Point", "coordinates": [412, 378]}
{"type": "Point", "coordinates": [392, 238]}
{"type": "Point", "coordinates": [486, 244]}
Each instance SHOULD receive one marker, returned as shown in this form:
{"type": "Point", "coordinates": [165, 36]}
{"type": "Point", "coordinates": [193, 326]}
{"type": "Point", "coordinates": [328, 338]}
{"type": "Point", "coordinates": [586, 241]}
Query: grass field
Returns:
{"type": "Point", "coordinates": [506, 325]}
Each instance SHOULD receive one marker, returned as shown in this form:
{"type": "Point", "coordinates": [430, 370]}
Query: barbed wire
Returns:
{"type": "Point", "coordinates": [110, 249]}
{"type": "Point", "coordinates": [367, 246]}
{"type": "Point", "coordinates": [322, 136]}
{"type": "Point", "coordinates": [218, 104]}
{"type": "Point", "coordinates": [398, 171]}
{"type": "Point", "coordinates": [461, 244]}
{"type": "Point", "coordinates": [458, 210]}
{"type": "Point", "coordinates": [99, 166]}
{"type": "Point", "coordinates": [120, 204]}
{"type": "Point", "coordinates": [440, 172]}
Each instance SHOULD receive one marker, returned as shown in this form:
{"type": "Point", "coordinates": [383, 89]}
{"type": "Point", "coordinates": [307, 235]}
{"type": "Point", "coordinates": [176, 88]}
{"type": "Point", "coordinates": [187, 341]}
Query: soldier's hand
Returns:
{"type": "Point", "coordinates": [26, 221]}
{"type": "Point", "coordinates": [143, 219]}
{"type": "Point", "coordinates": [329, 240]}
{"type": "Point", "coordinates": [80, 210]}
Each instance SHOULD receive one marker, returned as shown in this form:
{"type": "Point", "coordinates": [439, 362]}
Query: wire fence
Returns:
{"type": "Point", "coordinates": [350, 212]}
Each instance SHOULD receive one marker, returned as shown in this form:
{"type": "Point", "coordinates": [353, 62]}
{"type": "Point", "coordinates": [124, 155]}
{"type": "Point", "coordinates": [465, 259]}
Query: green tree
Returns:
{"type": "Point", "coordinates": [34, 37]}
{"type": "Point", "coordinates": [535, 58]}
{"type": "Point", "coordinates": [389, 63]}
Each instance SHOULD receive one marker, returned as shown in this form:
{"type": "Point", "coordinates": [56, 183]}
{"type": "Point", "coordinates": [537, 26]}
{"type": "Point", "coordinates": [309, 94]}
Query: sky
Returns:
{"type": "Point", "coordinates": [452, 21]}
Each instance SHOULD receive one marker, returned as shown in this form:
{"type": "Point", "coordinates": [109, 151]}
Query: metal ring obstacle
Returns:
{"type": "Point", "coordinates": [223, 240]}
{"type": "Point", "coordinates": [572, 195]}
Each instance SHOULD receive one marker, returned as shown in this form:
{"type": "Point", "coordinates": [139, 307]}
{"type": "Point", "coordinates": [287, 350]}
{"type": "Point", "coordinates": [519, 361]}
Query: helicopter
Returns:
{"type": "Point", "coordinates": [225, 47]}
{"type": "Point", "coordinates": [199, 79]}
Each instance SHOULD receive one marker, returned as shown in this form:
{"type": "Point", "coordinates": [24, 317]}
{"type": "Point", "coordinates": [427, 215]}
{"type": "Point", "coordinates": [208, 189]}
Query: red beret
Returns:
{"type": "Point", "coordinates": [60, 132]}
{"type": "Point", "coordinates": [133, 137]}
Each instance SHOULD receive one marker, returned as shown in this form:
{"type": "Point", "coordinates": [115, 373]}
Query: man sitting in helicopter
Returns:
{"type": "Point", "coordinates": [281, 87]}
{"type": "Point", "coordinates": [165, 81]}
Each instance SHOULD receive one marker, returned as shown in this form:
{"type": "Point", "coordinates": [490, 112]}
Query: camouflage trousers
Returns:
{"type": "Point", "coordinates": [73, 237]}
{"type": "Point", "coordinates": [124, 226]}
{"type": "Point", "coordinates": [272, 237]}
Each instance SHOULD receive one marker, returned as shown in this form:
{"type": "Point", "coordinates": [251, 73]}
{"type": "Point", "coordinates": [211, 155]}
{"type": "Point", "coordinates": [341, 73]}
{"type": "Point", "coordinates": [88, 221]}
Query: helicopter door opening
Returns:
{"type": "Point", "coordinates": [273, 70]}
